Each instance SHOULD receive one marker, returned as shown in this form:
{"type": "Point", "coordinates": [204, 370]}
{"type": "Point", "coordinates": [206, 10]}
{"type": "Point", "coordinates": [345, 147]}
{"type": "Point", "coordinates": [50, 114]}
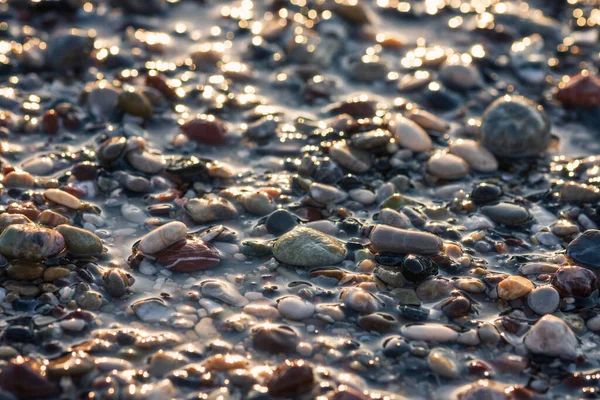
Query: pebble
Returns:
{"type": "Point", "coordinates": [133, 213]}
{"type": "Point", "coordinates": [363, 196]}
{"type": "Point", "coordinates": [572, 280]}
{"type": "Point", "coordinates": [41, 166]}
{"type": "Point", "coordinates": [394, 218]}
{"type": "Point", "coordinates": [258, 203]}
{"type": "Point", "coordinates": [30, 242]}
{"type": "Point", "coordinates": [206, 129]}
{"type": "Point", "coordinates": [573, 192]}
{"type": "Point", "coordinates": [514, 287]}
{"type": "Point", "coordinates": [292, 248]}
{"type": "Point", "coordinates": [353, 160]}
{"type": "Point", "coordinates": [478, 157]}
{"type": "Point", "coordinates": [387, 238]}
{"type": "Point", "coordinates": [281, 221]}
{"type": "Point", "coordinates": [507, 214]}
{"type": "Point", "coordinates": [223, 291]}
{"type": "Point", "coordinates": [291, 378]}
{"type": "Point", "coordinates": [581, 90]}
{"type": "Point", "coordinates": [151, 309]}
{"type": "Point", "coordinates": [327, 194]}
{"type": "Point", "coordinates": [162, 237]}
{"type": "Point", "coordinates": [543, 300]}
{"type": "Point", "coordinates": [447, 166]}
{"type": "Point", "coordinates": [442, 362]}
{"type": "Point", "coordinates": [551, 336]}
{"type": "Point", "coordinates": [116, 282]}
{"type": "Point", "coordinates": [63, 198]}
{"type": "Point", "coordinates": [80, 242]}
{"type": "Point", "coordinates": [410, 135]}
{"type": "Point", "coordinates": [360, 301]}
{"type": "Point", "coordinates": [429, 333]}
{"type": "Point", "coordinates": [514, 126]}
{"type": "Point", "coordinates": [584, 249]}
{"type": "Point", "coordinates": [135, 103]}
{"type": "Point", "coordinates": [208, 210]}
{"type": "Point", "coordinates": [275, 338]}
{"type": "Point", "coordinates": [188, 256]}
{"type": "Point", "coordinates": [146, 162]}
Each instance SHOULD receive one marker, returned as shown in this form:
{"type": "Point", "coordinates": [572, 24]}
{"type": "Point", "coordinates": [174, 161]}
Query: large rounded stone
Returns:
{"type": "Point", "coordinates": [307, 247]}
{"type": "Point", "coordinates": [584, 249]}
{"type": "Point", "coordinates": [551, 336]}
{"type": "Point", "coordinates": [30, 242]}
{"type": "Point", "coordinates": [79, 241]}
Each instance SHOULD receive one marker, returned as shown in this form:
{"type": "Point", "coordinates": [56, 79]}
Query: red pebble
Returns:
{"type": "Point", "coordinates": [50, 122]}
{"type": "Point", "coordinates": [582, 90]}
{"type": "Point", "coordinates": [189, 256]}
{"type": "Point", "coordinates": [206, 129]}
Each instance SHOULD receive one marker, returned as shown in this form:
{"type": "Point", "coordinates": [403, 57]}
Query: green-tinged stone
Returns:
{"type": "Point", "coordinates": [307, 247]}
{"type": "Point", "coordinates": [79, 241]}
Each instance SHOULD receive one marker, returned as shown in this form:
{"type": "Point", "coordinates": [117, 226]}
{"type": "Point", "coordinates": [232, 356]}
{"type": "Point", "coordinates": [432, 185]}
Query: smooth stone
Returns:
{"type": "Point", "coordinates": [461, 77]}
{"type": "Point", "coordinates": [327, 194]}
{"type": "Point", "coordinates": [258, 203]}
{"type": "Point", "coordinates": [223, 291]}
{"type": "Point", "coordinates": [213, 209]}
{"type": "Point", "coordinates": [188, 256]}
{"type": "Point", "coordinates": [352, 159]}
{"type": "Point", "coordinates": [41, 166]}
{"type": "Point", "coordinates": [291, 379]}
{"type": "Point", "coordinates": [27, 379]}
{"type": "Point", "coordinates": [63, 198]}
{"type": "Point", "coordinates": [79, 241]}
{"type": "Point", "coordinates": [429, 332]}
{"type": "Point", "coordinates": [116, 282]}
{"type": "Point", "coordinates": [30, 242]}
{"type": "Point", "coordinates": [73, 364]}
{"type": "Point", "coordinates": [52, 219]}
{"type": "Point", "coordinates": [163, 362]}
{"type": "Point", "coordinates": [295, 308]}
{"type": "Point", "coordinates": [135, 103]}
{"type": "Point", "coordinates": [360, 301]}
{"type": "Point", "coordinates": [394, 218]}
{"type": "Point", "coordinates": [146, 162]}
{"type": "Point", "coordinates": [363, 196]}
{"type": "Point", "coordinates": [52, 273]}
{"type": "Point", "coordinates": [447, 166]}
{"type": "Point", "coordinates": [410, 135]}
{"type": "Point", "coordinates": [206, 129]}
{"type": "Point", "coordinates": [21, 270]}
{"type": "Point", "coordinates": [162, 237]}
{"type": "Point", "coordinates": [103, 101]}
{"type": "Point", "coordinates": [551, 336]}
{"type": "Point", "coordinates": [307, 247]}
{"type": "Point", "coordinates": [584, 249]}
{"type": "Point", "coordinates": [507, 214]}
{"type": "Point", "coordinates": [543, 300]}
{"type": "Point", "coordinates": [395, 240]}
{"type": "Point", "coordinates": [478, 157]}
{"type": "Point", "coordinates": [573, 192]}
{"type": "Point", "coordinates": [90, 300]}
{"type": "Point", "coordinates": [514, 126]}
{"type": "Point", "coordinates": [443, 363]}
{"type": "Point", "coordinates": [281, 221]}
{"type": "Point", "coordinates": [133, 213]}
{"type": "Point", "coordinates": [434, 290]}
{"type": "Point", "coordinates": [514, 287]}
{"type": "Point", "coordinates": [572, 280]}
{"type": "Point", "coordinates": [151, 309]}
{"type": "Point", "coordinates": [21, 179]}
{"type": "Point", "coordinates": [12, 219]}
{"type": "Point", "coordinates": [275, 338]}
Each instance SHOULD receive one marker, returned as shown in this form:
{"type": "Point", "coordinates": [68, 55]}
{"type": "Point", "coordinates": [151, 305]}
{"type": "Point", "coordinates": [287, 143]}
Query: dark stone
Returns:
{"type": "Point", "coordinates": [417, 268]}
{"type": "Point", "coordinates": [291, 378]}
{"type": "Point", "coordinates": [280, 222]}
{"type": "Point", "coordinates": [275, 339]}
{"type": "Point", "coordinates": [585, 249]}
{"type": "Point", "coordinates": [485, 193]}
{"type": "Point", "coordinates": [574, 281]}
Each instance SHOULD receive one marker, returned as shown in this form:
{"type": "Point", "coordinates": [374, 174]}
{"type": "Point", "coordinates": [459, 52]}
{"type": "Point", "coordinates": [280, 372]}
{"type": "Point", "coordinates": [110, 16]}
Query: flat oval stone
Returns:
{"type": "Point", "coordinates": [478, 157]}
{"type": "Point", "coordinates": [447, 166]}
{"type": "Point", "coordinates": [146, 162]}
{"type": "Point", "coordinates": [507, 214]}
{"type": "Point", "coordinates": [188, 256]}
{"type": "Point", "coordinates": [295, 308]}
{"type": "Point", "coordinates": [584, 249]}
{"type": "Point", "coordinates": [307, 247]}
{"type": "Point", "coordinates": [275, 338]}
{"type": "Point", "coordinates": [291, 379]}
{"type": "Point", "coordinates": [395, 240]}
{"type": "Point", "coordinates": [429, 332]}
{"type": "Point", "coordinates": [30, 242]}
{"type": "Point", "coordinates": [206, 129]}
{"type": "Point", "coordinates": [12, 219]}
{"type": "Point", "coordinates": [352, 159]}
{"type": "Point", "coordinates": [207, 210]}
{"type": "Point", "coordinates": [63, 198]}
{"type": "Point", "coordinates": [79, 241]}
{"type": "Point", "coordinates": [162, 237]}
{"type": "Point", "coordinates": [410, 135]}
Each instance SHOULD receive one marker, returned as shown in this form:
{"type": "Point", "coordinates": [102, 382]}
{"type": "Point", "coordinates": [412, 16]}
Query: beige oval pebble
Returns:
{"type": "Point", "coordinates": [396, 240]}
{"type": "Point", "coordinates": [478, 157]}
{"type": "Point", "coordinates": [410, 135]}
{"type": "Point", "coordinates": [63, 198]}
{"type": "Point", "coordinates": [447, 166]}
{"type": "Point", "coordinates": [427, 120]}
{"type": "Point", "coordinates": [163, 237]}
{"type": "Point", "coordinates": [514, 287]}
{"type": "Point", "coordinates": [352, 159]}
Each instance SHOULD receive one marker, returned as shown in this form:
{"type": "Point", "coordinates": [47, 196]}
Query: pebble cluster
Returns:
{"type": "Point", "coordinates": [313, 199]}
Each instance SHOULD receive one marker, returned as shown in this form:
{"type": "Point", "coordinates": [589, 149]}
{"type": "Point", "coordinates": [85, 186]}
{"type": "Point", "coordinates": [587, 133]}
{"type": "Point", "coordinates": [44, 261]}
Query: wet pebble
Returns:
{"type": "Point", "coordinates": [543, 300]}
{"type": "Point", "coordinates": [584, 249]}
{"type": "Point", "coordinates": [80, 242]}
{"type": "Point", "coordinates": [508, 214]}
{"type": "Point", "coordinates": [551, 336]}
{"type": "Point", "coordinates": [162, 237]}
{"type": "Point", "coordinates": [447, 166]}
{"type": "Point", "coordinates": [292, 247]}
{"type": "Point", "coordinates": [514, 287]}
{"type": "Point", "coordinates": [295, 308]}
{"type": "Point", "coordinates": [395, 240]}
{"type": "Point", "coordinates": [477, 156]}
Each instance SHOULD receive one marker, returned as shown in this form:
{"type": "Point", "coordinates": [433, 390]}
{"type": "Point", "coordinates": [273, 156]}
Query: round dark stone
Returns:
{"type": "Point", "coordinates": [585, 249]}
{"type": "Point", "coordinates": [417, 268]}
{"type": "Point", "coordinates": [395, 347]}
{"type": "Point", "coordinates": [275, 339]}
{"type": "Point", "coordinates": [574, 281]}
{"type": "Point", "coordinates": [485, 193]}
{"type": "Point", "coordinates": [507, 214]}
{"type": "Point", "coordinates": [455, 307]}
{"type": "Point", "coordinates": [280, 222]}
{"type": "Point", "coordinates": [291, 378]}
{"type": "Point", "coordinates": [85, 171]}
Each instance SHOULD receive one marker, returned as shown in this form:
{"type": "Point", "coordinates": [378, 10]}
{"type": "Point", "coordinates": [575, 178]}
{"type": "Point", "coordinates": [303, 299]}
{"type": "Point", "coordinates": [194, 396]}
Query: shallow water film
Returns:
{"type": "Point", "coordinates": [304, 199]}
